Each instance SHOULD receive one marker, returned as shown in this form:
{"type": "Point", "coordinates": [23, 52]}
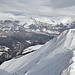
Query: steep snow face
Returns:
{"type": "Point", "coordinates": [50, 59]}
{"type": "Point", "coordinates": [72, 67]}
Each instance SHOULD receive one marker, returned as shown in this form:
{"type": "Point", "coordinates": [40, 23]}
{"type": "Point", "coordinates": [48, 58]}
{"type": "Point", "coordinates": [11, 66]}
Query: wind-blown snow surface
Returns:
{"type": "Point", "coordinates": [54, 58]}
{"type": "Point", "coordinates": [72, 67]}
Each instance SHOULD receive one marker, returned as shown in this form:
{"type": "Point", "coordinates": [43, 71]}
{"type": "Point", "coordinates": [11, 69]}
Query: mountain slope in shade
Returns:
{"type": "Point", "coordinates": [51, 59]}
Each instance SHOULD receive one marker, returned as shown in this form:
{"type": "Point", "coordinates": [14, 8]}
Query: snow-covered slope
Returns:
{"type": "Point", "coordinates": [72, 66]}
{"type": "Point", "coordinates": [53, 58]}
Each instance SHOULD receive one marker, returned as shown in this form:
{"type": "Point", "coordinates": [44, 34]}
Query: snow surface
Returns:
{"type": "Point", "coordinates": [53, 58]}
{"type": "Point", "coordinates": [31, 48]}
{"type": "Point", "coordinates": [28, 41]}
{"type": "Point", "coordinates": [72, 67]}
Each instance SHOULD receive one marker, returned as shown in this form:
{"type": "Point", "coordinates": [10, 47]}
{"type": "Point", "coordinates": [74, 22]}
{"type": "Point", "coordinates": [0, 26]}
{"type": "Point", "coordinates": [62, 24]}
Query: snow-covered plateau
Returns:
{"type": "Point", "coordinates": [56, 57]}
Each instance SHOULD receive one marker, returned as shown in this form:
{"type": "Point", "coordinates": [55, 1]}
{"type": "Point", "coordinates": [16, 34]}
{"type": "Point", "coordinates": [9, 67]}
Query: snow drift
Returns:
{"type": "Point", "coordinates": [53, 58]}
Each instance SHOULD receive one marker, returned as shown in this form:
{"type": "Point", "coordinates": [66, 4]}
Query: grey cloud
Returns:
{"type": "Point", "coordinates": [37, 7]}
{"type": "Point", "coordinates": [62, 3]}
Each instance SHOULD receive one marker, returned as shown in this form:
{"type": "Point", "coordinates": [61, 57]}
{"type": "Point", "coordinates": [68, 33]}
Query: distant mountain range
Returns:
{"type": "Point", "coordinates": [52, 25]}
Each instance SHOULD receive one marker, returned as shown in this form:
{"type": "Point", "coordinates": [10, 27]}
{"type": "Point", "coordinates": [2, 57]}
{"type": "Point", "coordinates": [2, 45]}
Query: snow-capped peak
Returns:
{"type": "Point", "coordinates": [29, 22]}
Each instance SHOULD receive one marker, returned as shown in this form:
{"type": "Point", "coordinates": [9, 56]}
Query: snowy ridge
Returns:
{"type": "Point", "coordinates": [72, 67]}
{"type": "Point", "coordinates": [51, 59]}
{"type": "Point", "coordinates": [44, 25]}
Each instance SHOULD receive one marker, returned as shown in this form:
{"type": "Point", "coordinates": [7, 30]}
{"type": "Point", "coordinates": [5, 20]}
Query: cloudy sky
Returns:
{"type": "Point", "coordinates": [39, 7]}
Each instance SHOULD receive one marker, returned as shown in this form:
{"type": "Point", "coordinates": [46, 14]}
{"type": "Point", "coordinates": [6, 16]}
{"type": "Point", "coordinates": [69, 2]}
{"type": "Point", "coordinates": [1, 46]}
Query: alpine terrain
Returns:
{"type": "Point", "coordinates": [37, 46]}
